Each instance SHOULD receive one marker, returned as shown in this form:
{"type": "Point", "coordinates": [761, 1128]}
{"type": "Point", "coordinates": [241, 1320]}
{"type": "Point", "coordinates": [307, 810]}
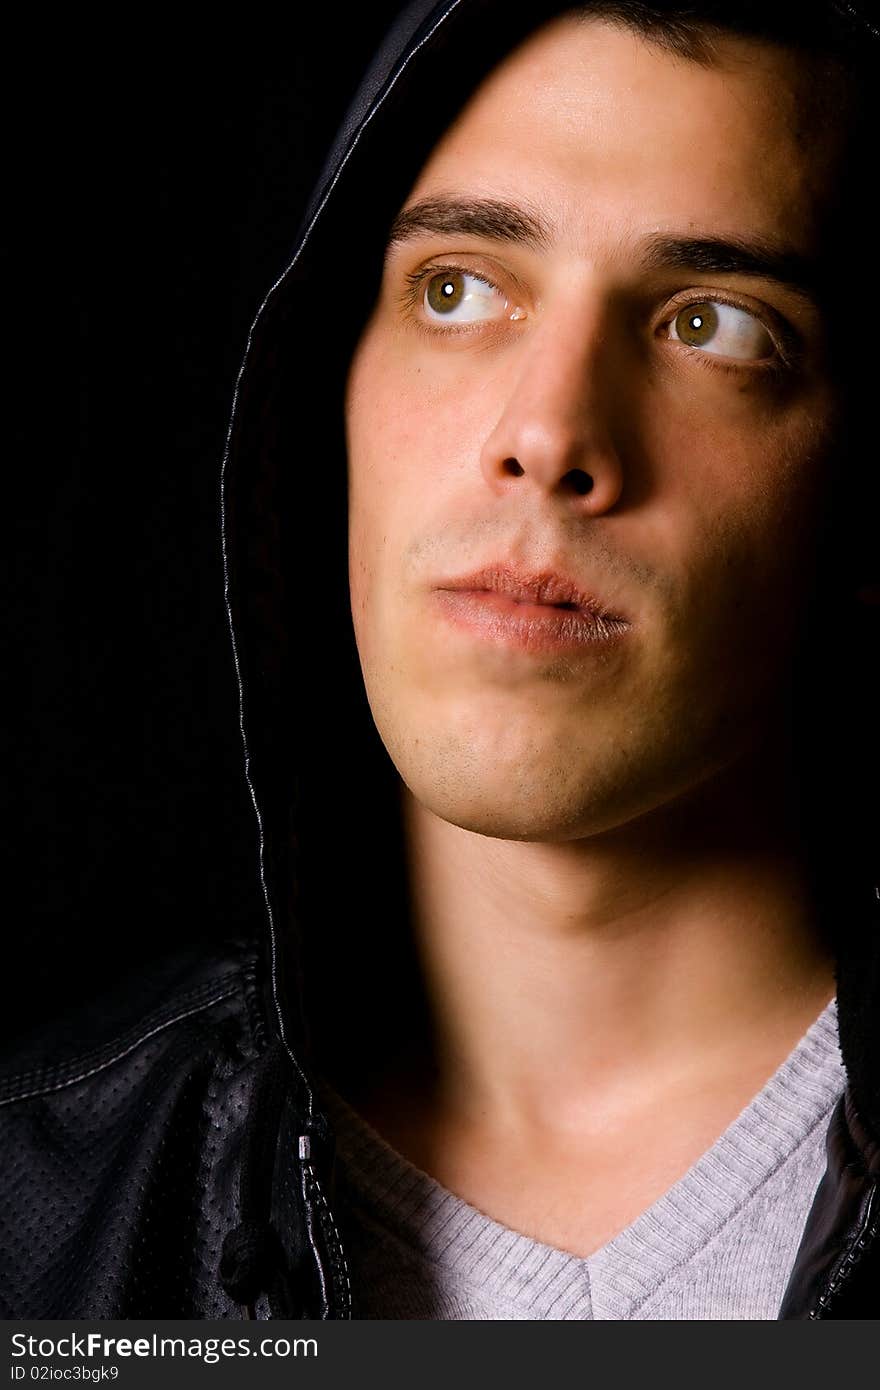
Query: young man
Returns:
{"type": "Point", "coordinates": [541, 497]}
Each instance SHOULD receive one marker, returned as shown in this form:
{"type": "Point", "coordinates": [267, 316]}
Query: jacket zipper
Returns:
{"type": "Point", "coordinates": [866, 1234]}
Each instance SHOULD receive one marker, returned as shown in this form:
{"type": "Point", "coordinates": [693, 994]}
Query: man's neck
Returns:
{"type": "Point", "coordinates": [567, 980]}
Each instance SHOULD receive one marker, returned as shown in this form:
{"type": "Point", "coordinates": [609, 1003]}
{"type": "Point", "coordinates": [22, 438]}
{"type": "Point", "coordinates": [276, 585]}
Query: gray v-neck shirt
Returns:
{"type": "Point", "coordinates": [719, 1244]}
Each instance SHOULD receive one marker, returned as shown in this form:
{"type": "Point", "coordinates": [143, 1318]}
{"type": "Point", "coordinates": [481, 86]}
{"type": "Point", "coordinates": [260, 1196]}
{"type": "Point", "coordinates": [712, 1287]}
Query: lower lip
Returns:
{"type": "Point", "coordinates": [532, 626]}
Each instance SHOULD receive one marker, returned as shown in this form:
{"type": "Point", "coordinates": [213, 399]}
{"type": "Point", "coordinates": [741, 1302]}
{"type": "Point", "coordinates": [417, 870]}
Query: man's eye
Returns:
{"type": "Point", "coordinates": [458, 296]}
{"type": "Point", "coordinates": [723, 329]}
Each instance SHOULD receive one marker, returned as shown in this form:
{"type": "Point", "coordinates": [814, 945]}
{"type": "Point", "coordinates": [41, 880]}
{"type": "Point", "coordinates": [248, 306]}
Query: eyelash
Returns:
{"type": "Point", "coordinates": [784, 361]}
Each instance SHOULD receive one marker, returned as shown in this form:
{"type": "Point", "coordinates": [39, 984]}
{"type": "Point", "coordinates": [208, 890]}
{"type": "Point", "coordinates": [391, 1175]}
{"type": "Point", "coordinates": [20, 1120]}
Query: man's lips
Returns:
{"type": "Point", "coordinates": [545, 588]}
{"type": "Point", "coordinates": [547, 611]}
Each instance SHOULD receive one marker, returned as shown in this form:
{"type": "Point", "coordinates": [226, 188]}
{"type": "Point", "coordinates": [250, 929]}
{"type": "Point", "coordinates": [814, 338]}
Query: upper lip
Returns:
{"type": "Point", "coordinates": [548, 586]}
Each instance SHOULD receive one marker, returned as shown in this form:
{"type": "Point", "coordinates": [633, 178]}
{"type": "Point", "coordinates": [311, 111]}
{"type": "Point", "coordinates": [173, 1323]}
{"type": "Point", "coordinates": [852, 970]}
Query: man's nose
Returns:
{"type": "Point", "coordinates": [560, 399]}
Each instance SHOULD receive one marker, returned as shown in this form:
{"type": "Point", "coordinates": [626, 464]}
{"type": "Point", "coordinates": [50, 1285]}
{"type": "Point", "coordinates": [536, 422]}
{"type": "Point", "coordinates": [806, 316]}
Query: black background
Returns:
{"type": "Point", "coordinates": [154, 185]}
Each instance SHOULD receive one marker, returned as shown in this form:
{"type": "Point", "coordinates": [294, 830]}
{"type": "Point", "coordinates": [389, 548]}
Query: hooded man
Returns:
{"type": "Point", "coordinates": [543, 494]}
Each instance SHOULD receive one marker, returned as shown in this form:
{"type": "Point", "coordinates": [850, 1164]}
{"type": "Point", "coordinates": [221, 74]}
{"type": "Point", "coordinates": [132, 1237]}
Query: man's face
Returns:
{"type": "Point", "coordinates": [497, 371]}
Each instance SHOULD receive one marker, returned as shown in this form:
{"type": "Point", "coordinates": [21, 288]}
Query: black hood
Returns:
{"type": "Point", "coordinates": [324, 790]}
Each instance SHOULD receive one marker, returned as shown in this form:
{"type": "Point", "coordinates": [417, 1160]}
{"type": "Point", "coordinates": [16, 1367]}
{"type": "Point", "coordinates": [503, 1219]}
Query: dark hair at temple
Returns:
{"type": "Point", "coordinates": [835, 29]}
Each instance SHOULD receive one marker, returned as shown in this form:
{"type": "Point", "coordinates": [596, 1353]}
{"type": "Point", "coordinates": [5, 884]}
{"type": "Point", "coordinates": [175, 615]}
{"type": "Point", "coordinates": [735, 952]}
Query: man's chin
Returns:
{"type": "Point", "coordinates": [547, 793]}
{"type": "Point", "coordinates": [503, 806]}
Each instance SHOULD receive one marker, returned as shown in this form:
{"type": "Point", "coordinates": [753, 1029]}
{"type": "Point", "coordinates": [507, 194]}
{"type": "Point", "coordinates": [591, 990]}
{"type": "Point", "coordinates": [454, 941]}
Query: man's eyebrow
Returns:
{"type": "Point", "coordinates": [487, 217]}
{"type": "Point", "coordinates": [757, 256]}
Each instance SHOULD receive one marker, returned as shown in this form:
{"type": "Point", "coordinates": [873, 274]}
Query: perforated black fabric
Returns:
{"type": "Point", "coordinates": [121, 1164]}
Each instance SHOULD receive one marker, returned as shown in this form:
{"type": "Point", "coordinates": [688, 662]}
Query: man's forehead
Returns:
{"type": "Point", "coordinates": [616, 67]}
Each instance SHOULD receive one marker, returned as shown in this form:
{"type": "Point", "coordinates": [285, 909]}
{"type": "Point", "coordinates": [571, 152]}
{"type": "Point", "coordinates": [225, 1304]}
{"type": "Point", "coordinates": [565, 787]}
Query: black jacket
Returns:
{"type": "Point", "coordinates": [163, 1153]}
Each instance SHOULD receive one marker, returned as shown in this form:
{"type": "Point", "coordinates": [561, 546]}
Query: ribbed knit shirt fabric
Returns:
{"type": "Point", "coordinates": [719, 1244]}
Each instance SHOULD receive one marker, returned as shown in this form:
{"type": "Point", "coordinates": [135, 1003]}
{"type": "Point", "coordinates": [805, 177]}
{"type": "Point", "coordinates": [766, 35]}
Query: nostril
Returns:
{"type": "Point", "coordinates": [512, 466]}
{"type": "Point", "coordinates": [581, 482]}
